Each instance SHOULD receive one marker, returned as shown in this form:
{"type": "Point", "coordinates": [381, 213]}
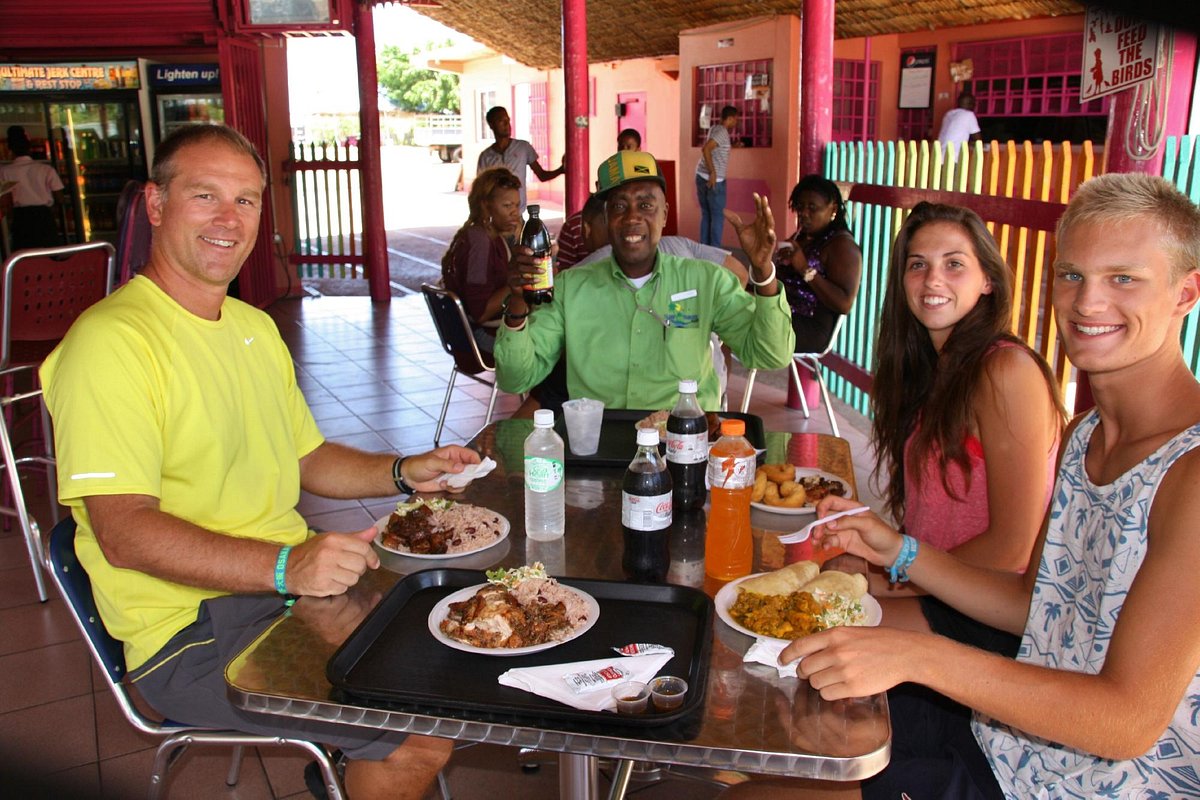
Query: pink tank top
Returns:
{"type": "Point", "coordinates": [947, 520]}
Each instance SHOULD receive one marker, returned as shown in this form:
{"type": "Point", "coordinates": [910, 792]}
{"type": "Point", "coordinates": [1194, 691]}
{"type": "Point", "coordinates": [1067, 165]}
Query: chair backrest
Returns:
{"type": "Point", "coordinates": [45, 290]}
{"type": "Point", "coordinates": [454, 329]}
{"type": "Point", "coordinates": [133, 232]}
{"type": "Point", "coordinates": [833, 334]}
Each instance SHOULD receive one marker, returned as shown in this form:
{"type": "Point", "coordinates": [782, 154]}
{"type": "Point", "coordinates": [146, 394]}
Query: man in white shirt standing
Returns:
{"type": "Point", "coordinates": [959, 125]}
{"type": "Point", "coordinates": [515, 154]}
{"type": "Point", "coordinates": [37, 191]}
{"type": "Point", "coordinates": [710, 177]}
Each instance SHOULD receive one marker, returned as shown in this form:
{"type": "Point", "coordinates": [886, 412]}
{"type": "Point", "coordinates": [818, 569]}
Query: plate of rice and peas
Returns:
{"type": "Point", "coordinates": [518, 611]}
{"type": "Point", "coordinates": [795, 601]}
{"type": "Point", "coordinates": [438, 528]}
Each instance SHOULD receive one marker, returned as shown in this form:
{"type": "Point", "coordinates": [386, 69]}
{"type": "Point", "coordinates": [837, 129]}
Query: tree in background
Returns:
{"type": "Point", "coordinates": [411, 88]}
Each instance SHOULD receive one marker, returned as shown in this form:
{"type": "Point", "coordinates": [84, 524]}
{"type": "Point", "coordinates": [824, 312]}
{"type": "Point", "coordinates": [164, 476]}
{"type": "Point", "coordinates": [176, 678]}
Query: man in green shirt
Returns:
{"type": "Point", "coordinates": [635, 324]}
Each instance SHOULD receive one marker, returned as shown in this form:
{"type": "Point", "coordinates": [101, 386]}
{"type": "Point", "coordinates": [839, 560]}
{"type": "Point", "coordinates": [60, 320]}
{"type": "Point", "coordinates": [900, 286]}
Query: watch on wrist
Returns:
{"type": "Point", "coordinates": [809, 274]}
{"type": "Point", "coordinates": [509, 314]}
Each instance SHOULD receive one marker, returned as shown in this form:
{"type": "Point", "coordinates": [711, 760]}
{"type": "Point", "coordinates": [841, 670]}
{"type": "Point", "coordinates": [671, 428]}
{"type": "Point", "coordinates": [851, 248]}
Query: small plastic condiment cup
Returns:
{"type": "Point", "coordinates": [668, 692]}
{"type": "Point", "coordinates": [633, 697]}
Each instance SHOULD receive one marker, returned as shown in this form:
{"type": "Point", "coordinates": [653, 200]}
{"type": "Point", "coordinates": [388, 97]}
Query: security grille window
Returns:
{"type": "Point", "coordinates": [851, 90]}
{"type": "Point", "coordinates": [1029, 77]}
{"type": "Point", "coordinates": [745, 85]}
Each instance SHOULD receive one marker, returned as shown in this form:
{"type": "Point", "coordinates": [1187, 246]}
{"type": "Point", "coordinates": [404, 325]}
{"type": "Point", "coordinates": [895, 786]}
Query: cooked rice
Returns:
{"type": "Point", "coordinates": [548, 590]}
{"type": "Point", "coordinates": [469, 528]}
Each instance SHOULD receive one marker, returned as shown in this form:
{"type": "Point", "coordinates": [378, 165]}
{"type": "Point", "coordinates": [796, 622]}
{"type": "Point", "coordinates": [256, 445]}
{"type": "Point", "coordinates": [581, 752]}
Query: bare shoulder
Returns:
{"type": "Point", "coordinates": [1011, 372]}
{"type": "Point", "coordinates": [1176, 503]}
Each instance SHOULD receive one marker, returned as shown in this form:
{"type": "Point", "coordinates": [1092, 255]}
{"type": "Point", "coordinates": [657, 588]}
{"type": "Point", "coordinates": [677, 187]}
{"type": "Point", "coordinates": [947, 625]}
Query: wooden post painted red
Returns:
{"type": "Point", "coordinates": [816, 103]}
{"type": "Point", "coordinates": [575, 78]}
{"type": "Point", "coordinates": [374, 235]}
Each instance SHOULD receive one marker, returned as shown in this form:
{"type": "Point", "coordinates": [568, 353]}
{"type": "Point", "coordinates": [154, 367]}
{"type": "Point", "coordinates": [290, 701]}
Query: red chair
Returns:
{"type": "Point", "coordinates": [44, 291]}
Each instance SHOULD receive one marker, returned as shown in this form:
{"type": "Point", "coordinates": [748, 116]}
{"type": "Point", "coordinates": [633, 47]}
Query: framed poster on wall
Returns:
{"type": "Point", "coordinates": [916, 79]}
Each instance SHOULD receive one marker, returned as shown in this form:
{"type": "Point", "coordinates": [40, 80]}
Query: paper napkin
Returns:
{"type": "Point", "coordinates": [766, 651]}
{"type": "Point", "coordinates": [548, 681]}
{"type": "Point", "coordinates": [470, 472]}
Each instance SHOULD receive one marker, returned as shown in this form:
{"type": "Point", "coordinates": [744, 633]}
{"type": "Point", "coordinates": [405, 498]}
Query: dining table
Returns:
{"type": "Point", "coordinates": [750, 720]}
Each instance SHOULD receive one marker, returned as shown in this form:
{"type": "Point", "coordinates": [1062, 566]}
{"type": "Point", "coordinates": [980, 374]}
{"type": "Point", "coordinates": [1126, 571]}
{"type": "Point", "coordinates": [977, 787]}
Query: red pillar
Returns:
{"type": "Point", "coordinates": [816, 83]}
{"type": "Point", "coordinates": [816, 113]}
{"type": "Point", "coordinates": [575, 77]}
{"type": "Point", "coordinates": [1126, 105]}
{"type": "Point", "coordinates": [374, 235]}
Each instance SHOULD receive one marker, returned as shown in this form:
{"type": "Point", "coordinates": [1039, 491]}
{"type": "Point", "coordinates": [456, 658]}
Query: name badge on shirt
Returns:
{"type": "Point", "coordinates": [681, 314]}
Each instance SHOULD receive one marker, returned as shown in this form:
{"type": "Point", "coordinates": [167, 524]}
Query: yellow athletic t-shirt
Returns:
{"type": "Point", "coordinates": [206, 416]}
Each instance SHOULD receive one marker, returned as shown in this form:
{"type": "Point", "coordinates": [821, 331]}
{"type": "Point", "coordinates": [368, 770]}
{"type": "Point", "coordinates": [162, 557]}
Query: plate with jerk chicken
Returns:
{"type": "Point", "coordinates": [518, 611]}
{"type": "Point", "coordinates": [439, 528]}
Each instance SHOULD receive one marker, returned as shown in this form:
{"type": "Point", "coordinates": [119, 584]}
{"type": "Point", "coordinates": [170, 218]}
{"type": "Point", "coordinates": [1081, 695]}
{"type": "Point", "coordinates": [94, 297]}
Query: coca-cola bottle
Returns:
{"type": "Point", "coordinates": [536, 237]}
{"type": "Point", "coordinates": [646, 511]}
{"type": "Point", "coordinates": [687, 448]}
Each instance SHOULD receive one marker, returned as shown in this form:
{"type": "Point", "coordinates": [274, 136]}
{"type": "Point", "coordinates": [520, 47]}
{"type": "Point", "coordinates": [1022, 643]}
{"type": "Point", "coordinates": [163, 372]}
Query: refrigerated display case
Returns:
{"type": "Point", "coordinates": [185, 94]}
{"type": "Point", "coordinates": [94, 140]}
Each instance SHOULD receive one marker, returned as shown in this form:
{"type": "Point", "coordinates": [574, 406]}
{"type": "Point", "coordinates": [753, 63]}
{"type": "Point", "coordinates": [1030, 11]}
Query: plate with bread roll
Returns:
{"type": "Point", "coordinates": [795, 601]}
{"type": "Point", "coordinates": [786, 489]}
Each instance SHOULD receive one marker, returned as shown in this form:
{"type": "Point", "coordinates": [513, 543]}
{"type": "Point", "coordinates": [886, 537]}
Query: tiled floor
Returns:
{"type": "Point", "coordinates": [375, 377]}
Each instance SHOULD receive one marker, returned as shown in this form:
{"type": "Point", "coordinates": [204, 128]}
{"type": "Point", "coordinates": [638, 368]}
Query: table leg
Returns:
{"type": "Point", "coordinates": [578, 777]}
{"type": "Point", "coordinates": [620, 782]}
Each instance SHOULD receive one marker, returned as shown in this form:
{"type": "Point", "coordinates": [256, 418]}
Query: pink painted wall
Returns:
{"type": "Point", "coordinates": [769, 171]}
{"type": "Point", "coordinates": [886, 50]}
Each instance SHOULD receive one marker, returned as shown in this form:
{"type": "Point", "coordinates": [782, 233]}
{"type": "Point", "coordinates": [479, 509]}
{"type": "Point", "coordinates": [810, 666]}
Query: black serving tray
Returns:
{"type": "Point", "coordinates": [618, 437]}
{"type": "Point", "coordinates": [393, 661]}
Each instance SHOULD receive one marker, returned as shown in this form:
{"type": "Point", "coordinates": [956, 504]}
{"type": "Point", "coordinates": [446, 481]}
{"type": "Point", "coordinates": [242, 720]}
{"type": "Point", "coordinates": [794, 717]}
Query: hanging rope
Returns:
{"type": "Point", "coordinates": [1147, 118]}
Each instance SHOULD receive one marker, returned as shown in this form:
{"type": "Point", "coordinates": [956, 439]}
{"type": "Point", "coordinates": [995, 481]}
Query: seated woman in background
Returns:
{"type": "Point", "coordinates": [475, 266]}
{"type": "Point", "coordinates": [966, 416]}
{"type": "Point", "coordinates": [820, 264]}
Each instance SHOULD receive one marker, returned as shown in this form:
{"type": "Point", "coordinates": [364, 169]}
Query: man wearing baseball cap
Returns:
{"type": "Point", "coordinates": [634, 324]}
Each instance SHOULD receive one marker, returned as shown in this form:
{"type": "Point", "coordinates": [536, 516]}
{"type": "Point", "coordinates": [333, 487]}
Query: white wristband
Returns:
{"type": "Point", "coordinates": [770, 277]}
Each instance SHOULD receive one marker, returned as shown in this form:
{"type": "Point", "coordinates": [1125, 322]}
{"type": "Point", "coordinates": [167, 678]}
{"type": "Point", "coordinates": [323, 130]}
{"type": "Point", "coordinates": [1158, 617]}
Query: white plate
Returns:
{"type": "Point", "coordinates": [728, 595]}
{"type": "Point", "coordinates": [381, 526]}
{"type": "Point", "coordinates": [442, 610]}
{"type": "Point", "coordinates": [807, 508]}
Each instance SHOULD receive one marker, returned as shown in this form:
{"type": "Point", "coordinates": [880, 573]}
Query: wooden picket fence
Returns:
{"type": "Point", "coordinates": [1019, 189]}
{"type": "Point", "coordinates": [327, 210]}
{"type": "Point", "coordinates": [1181, 166]}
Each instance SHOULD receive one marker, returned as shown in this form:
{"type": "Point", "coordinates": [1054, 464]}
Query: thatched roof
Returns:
{"type": "Point", "coordinates": [530, 31]}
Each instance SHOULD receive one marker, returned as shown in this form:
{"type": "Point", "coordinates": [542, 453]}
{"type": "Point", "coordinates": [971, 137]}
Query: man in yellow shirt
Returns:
{"type": "Point", "coordinates": [183, 443]}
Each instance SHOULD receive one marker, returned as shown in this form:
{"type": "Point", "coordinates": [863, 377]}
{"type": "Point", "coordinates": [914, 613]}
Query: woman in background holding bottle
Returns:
{"type": "Point", "coordinates": [475, 266]}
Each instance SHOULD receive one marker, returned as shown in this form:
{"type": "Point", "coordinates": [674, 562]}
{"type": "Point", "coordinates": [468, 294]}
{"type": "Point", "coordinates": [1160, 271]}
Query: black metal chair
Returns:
{"type": "Point", "coordinates": [813, 362]}
{"type": "Point", "coordinates": [455, 330]}
{"type": "Point", "coordinates": [76, 588]}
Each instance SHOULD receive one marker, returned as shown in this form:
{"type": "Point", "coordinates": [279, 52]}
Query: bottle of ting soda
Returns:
{"type": "Point", "coordinates": [646, 511]}
{"type": "Point", "coordinates": [728, 545]}
{"type": "Point", "coordinates": [536, 237]}
{"type": "Point", "coordinates": [687, 448]}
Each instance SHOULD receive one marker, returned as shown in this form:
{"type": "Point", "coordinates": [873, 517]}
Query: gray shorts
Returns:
{"type": "Point", "coordinates": [185, 680]}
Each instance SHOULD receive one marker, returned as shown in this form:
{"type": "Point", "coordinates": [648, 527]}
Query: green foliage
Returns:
{"type": "Point", "coordinates": [413, 89]}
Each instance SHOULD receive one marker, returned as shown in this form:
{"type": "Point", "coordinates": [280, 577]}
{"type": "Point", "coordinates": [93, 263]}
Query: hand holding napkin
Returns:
{"type": "Point", "coordinates": [766, 651]}
{"type": "Point", "coordinates": [470, 472]}
{"type": "Point", "coordinates": [547, 681]}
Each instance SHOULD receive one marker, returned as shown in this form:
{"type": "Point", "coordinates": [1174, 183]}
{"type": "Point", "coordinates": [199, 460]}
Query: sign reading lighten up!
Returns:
{"type": "Point", "coordinates": [1119, 51]}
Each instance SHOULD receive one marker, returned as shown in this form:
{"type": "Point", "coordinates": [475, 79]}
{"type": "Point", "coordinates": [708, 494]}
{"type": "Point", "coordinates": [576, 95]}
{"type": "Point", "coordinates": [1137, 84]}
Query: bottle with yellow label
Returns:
{"type": "Point", "coordinates": [536, 237]}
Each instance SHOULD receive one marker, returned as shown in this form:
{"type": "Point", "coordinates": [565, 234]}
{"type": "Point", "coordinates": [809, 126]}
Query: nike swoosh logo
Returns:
{"type": "Point", "coordinates": [248, 341]}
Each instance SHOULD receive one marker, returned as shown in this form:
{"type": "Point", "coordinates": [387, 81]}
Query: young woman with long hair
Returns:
{"type": "Point", "coordinates": [966, 416]}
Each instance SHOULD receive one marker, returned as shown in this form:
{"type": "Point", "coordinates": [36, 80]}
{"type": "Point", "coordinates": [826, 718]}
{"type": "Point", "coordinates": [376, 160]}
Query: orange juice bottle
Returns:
{"type": "Point", "coordinates": [729, 546]}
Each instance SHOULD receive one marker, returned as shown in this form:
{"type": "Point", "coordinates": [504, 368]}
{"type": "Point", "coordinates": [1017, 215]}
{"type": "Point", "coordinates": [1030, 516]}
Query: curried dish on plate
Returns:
{"type": "Point", "coordinates": [440, 528]}
{"type": "Point", "coordinates": [517, 609]}
{"type": "Point", "coordinates": [796, 601]}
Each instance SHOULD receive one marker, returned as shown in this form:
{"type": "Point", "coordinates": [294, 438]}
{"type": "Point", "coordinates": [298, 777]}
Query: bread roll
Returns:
{"type": "Point", "coordinates": [834, 582]}
{"type": "Point", "coordinates": [781, 581]}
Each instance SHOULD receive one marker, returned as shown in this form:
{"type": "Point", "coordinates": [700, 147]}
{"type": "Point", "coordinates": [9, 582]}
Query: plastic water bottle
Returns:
{"type": "Point", "coordinates": [545, 510]}
{"type": "Point", "coordinates": [729, 544]}
{"type": "Point", "coordinates": [687, 448]}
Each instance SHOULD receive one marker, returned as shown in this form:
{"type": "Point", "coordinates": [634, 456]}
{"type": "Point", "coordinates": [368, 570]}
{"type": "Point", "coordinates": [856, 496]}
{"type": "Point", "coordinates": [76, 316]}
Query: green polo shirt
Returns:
{"type": "Point", "coordinates": [624, 355]}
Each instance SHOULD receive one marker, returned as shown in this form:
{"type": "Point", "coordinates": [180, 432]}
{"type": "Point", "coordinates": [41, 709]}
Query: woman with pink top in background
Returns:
{"type": "Point", "coordinates": [966, 416]}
